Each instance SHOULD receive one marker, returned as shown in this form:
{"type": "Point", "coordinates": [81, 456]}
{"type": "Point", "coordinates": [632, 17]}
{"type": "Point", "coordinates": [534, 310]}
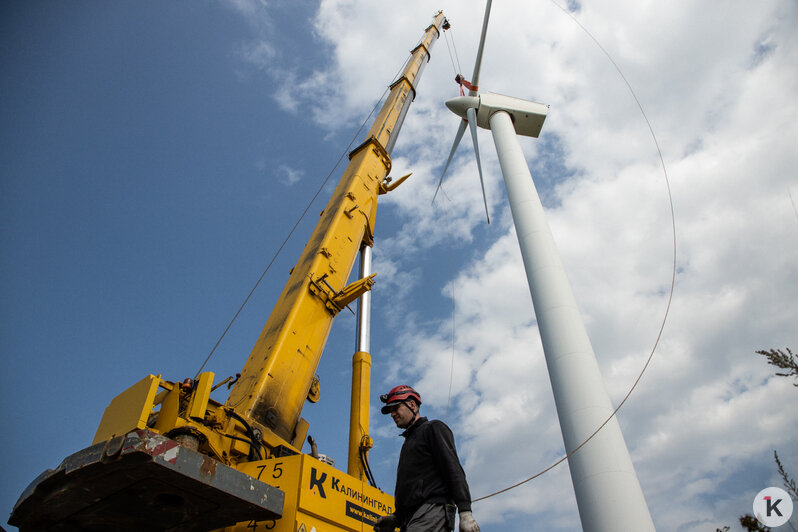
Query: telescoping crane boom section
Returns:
{"type": "Point", "coordinates": [168, 457]}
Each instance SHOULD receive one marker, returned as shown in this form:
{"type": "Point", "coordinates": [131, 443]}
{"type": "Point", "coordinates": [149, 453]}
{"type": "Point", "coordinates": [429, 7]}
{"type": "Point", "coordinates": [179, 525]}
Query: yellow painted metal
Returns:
{"type": "Point", "coordinates": [359, 414]}
{"type": "Point", "coordinates": [388, 187]}
{"type": "Point", "coordinates": [278, 374]}
{"type": "Point", "coordinates": [190, 410]}
{"type": "Point", "coordinates": [354, 291]}
{"type": "Point", "coordinates": [316, 495]}
{"type": "Point", "coordinates": [200, 397]}
{"type": "Point", "coordinates": [314, 394]}
{"type": "Point", "coordinates": [169, 400]}
{"type": "Point", "coordinates": [301, 433]}
{"type": "Point", "coordinates": [129, 410]}
{"type": "Point", "coordinates": [265, 403]}
{"type": "Point", "coordinates": [383, 125]}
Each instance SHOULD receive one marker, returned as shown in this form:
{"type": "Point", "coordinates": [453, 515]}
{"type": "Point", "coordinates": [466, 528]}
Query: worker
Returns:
{"type": "Point", "coordinates": [430, 482]}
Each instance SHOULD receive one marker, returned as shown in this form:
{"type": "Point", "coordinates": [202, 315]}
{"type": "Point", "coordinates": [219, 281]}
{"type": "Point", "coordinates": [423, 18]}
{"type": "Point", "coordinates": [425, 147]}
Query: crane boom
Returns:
{"type": "Point", "coordinates": [166, 456]}
{"type": "Point", "coordinates": [279, 373]}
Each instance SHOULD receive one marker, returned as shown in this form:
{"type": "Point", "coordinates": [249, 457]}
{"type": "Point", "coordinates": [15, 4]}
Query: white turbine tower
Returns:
{"type": "Point", "coordinates": [607, 489]}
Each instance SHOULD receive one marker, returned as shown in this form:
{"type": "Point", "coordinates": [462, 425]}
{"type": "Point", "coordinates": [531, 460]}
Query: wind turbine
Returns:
{"type": "Point", "coordinates": [470, 114]}
{"type": "Point", "coordinates": [606, 486]}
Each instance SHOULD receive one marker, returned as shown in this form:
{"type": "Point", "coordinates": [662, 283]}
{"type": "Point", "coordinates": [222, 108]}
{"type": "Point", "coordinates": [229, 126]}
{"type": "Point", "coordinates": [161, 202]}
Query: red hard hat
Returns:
{"type": "Point", "coordinates": [399, 395]}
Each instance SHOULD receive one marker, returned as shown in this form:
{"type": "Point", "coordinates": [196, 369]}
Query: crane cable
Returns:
{"type": "Point", "coordinates": [672, 284]}
{"type": "Point", "coordinates": [454, 302]}
{"type": "Point", "coordinates": [453, 57]}
{"type": "Point", "coordinates": [455, 61]}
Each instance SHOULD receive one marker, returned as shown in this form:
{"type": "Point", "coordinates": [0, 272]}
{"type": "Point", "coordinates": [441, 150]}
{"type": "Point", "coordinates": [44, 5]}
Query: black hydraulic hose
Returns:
{"type": "Point", "coordinates": [367, 467]}
{"type": "Point", "coordinates": [255, 445]}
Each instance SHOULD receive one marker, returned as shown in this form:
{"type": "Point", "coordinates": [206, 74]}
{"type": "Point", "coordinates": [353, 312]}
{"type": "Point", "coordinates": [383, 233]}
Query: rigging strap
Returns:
{"type": "Point", "coordinates": [460, 80]}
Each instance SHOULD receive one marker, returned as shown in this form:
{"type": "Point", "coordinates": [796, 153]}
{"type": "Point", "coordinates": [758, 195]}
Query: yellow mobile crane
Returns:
{"type": "Point", "coordinates": [168, 457]}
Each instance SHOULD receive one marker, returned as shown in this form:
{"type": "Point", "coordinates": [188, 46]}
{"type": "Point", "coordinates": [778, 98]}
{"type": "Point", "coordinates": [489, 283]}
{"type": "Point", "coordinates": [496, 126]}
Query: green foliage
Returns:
{"type": "Point", "coordinates": [789, 484]}
{"type": "Point", "coordinates": [780, 359]}
{"type": "Point", "coordinates": [788, 361]}
{"type": "Point", "coordinates": [750, 523]}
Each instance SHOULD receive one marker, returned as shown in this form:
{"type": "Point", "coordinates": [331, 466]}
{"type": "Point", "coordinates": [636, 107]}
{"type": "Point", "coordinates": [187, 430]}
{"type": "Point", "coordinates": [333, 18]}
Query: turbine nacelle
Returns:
{"type": "Point", "coordinates": [527, 116]}
{"type": "Point", "coordinates": [476, 110]}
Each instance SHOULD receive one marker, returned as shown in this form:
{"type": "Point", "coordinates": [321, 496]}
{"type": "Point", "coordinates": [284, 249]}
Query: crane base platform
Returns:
{"type": "Point", "coordinates": [143, 481]}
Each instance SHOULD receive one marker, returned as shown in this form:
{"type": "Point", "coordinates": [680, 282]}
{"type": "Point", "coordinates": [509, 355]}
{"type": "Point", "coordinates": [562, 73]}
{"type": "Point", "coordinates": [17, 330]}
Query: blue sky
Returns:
{"type": "Point", "coordinates": [153, 158]}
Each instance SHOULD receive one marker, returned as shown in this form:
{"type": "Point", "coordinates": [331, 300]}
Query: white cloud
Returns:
{"type": "Point", "coordinates": [254, 11]}
{"type": "Point", "coordinates": [289, 176]}
{"type": "Point", "coordinates": [719, 88]}
{"type": "Point", "coordinates": [258, 53]}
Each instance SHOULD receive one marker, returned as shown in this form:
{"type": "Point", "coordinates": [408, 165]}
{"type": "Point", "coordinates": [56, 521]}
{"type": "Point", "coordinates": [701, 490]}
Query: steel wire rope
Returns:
{"type": "Point", "coordinates": [673, 269]}
{"type": "Point", "coordinates": [453, 58]}
{"type": "Point", "coordinates": [299, 220]}
{"type": "Point", "coordinates": [456, 57]}
{"type": "Point", "coordinates": [447, 223]}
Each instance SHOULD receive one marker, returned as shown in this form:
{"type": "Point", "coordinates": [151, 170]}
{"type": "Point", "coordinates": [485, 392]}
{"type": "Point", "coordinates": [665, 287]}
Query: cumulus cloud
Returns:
{"type": "Point", "coordinates": [289, 176]}
{"type": "Point", "coordinates": [718, 87]}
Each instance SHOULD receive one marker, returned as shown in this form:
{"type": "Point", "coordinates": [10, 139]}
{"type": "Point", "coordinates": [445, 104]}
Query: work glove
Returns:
{"type": "Point", "coordinates": [386, 523]}
{"type": "Point", "coordinates": [467, 523]}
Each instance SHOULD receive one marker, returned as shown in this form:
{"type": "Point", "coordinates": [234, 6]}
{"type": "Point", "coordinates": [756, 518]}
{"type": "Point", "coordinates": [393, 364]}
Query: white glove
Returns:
{"type": "Point", "coordinates": [386, 523]}
{"type": "Point", "coordinates": [467, 523]}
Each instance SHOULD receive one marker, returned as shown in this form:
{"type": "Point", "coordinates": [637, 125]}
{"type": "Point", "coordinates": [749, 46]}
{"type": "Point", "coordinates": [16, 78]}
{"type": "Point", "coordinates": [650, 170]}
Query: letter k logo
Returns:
{"type": "Point", "coordinates": [772, 506]}
{"type": "Point", "coordinates": [318, 481]}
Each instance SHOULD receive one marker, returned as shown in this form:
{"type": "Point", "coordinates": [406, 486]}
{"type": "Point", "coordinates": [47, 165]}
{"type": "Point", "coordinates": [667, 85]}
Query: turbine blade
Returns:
{"type": "Point", "coordinates": [478, 62]}
{"type": "Point", "coordinates": [457, 138]}
{"type": "Point", "coordinates": [471, 113]}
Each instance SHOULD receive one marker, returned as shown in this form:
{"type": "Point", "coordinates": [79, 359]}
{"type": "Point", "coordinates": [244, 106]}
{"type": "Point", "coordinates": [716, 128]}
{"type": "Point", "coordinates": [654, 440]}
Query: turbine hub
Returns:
{"type": "Point", "coordinates": [461, 104]}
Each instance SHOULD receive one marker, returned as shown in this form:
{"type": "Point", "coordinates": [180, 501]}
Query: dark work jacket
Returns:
{"type": "Point", "coordinates": [429, 470]}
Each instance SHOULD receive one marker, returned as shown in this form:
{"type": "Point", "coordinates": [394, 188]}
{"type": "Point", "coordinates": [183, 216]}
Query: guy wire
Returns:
{"type": "Point", "coordinates": [447, 222]}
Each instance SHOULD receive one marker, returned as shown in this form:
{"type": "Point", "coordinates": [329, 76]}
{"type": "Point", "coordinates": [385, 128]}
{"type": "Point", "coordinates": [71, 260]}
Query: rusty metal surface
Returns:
{"type": "Point", "coordinates": [143, 481]}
